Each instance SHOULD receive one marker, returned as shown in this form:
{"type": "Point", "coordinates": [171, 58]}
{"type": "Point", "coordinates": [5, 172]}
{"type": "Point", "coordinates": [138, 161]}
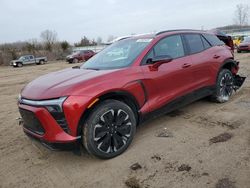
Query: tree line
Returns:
{"type": "Point", "coordinates": [48, 45]}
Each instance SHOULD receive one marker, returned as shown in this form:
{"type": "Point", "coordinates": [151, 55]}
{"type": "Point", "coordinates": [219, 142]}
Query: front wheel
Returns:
{"type": "Point", "coordinates": [75, 60]}
{"type": "Point", "coordinates": [224, 86]}
{"type": "Point", "coordinates": [19, 64]}
{"type": "Point", "coordinates": [109, 130]}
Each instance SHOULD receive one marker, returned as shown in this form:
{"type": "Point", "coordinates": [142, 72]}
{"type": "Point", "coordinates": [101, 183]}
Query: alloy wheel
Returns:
{"type": "Point", "coordinates": [226, 86]}
{"type": "Point", "coordinates": [112, 131]}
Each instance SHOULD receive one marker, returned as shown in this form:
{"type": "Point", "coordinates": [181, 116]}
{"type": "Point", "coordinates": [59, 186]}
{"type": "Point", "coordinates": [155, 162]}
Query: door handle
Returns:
{"type": "Point", "coordinates": [216, 56]}
{"type": "Point", "coordinates": [186, 65]}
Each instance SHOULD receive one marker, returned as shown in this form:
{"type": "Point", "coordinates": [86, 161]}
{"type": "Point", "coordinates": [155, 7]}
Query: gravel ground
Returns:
{"type": "Point", "coordinates": [201, 145]}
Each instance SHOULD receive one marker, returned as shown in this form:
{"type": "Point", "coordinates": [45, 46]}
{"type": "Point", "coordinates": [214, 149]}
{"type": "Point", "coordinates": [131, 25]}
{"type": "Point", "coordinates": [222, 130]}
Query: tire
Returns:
{"type": "Point", "coordinates": [109, 129]}
{"type": "Point", "coordinates": [41, 62]}
{"type": "Point", "coordinates": [238, 51]}
{"type": "Point", "coordinates": [224, 86]}
{"type": "Point", "coordinates": [75, 60]}
{"type": "Point", "coordinates": [19, 64]}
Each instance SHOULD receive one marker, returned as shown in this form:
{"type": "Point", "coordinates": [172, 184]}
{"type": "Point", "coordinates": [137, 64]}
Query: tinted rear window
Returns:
{"type": "Point", "coordinates": [213, 40]}
{"type": "Point", "coordinates": [194, 42]}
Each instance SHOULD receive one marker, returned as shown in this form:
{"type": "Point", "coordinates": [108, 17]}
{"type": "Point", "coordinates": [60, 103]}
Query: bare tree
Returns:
{"type": "Point", "coordinates": [241, 14]}
{"type": "Point", "coordinates": [49, 37]}
{"type": "Point", "coordinates": [31, 46]}
{"type": "Point", "coordinates": [64, 45]}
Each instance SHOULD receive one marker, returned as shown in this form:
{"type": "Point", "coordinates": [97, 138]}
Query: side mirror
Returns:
{"type": "Point", "coordinates": [158, 61]}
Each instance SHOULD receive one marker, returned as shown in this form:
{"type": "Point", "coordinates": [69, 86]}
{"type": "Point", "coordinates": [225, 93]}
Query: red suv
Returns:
{"type": "Point", "coordinates": [79, 56]}
{"type": "Point", "coordinates": [101, 102]}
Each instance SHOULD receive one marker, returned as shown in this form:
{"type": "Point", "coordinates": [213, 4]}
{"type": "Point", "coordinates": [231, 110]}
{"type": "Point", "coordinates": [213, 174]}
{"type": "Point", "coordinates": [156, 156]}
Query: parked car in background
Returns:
{"type": "Point", "coordinates": [244, 45]}
{"type": "Point", "coordinates": [80, 56]}
{"type": "Point", "coordinates": [28, 59]}
{"type": "Point", "coordinates": [100, 103]}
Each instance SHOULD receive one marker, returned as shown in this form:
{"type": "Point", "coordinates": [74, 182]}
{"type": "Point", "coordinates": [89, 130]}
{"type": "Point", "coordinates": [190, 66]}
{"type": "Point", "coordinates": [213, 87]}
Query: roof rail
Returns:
{"type": "Point", "coordinates": [161, 32]}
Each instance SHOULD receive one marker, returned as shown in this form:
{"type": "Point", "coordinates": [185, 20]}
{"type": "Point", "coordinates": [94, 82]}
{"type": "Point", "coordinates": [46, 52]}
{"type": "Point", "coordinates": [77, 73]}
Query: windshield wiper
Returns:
{"type": "Point", "coordinates": [76, 67]}
{"type": "Point", "coordinates": [92, 69]}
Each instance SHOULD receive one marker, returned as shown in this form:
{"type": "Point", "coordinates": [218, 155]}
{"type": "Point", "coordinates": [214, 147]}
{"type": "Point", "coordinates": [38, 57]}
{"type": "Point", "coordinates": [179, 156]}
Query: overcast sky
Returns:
{"type": "Point", "coordinates": [25, 19]}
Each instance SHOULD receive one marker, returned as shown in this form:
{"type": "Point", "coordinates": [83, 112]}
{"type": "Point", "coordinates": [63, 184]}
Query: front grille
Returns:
{"type": "Point", "coordinates": [60, 119]}
{"type": "Point", "coordinates": [31, 122]}
{"type": "Point", "coordinates": [243, 46]}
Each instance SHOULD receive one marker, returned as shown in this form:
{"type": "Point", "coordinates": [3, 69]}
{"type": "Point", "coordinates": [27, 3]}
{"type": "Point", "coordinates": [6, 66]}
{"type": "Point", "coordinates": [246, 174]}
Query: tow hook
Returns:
{"type": "Point", "coordinates": [20, 120]}
{"type": "Point", "coordinates": [238, 81]}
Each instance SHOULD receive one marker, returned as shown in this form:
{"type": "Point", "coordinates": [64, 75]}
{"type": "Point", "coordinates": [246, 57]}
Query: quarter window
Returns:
{"type": "Point", "coordinates": [170, 46]}
{"type": "Point", "coordinates": [205, 43]}
{"type": "Point", "coordinates": [213, 40]}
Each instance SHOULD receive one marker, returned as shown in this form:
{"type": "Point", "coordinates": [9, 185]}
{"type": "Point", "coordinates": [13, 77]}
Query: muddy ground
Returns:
{"type": "Point", "coordinates": [202, 145]}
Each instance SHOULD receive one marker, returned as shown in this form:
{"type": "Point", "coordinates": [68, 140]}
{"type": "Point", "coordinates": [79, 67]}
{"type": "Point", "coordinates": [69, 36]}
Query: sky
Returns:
{"type": "Point", "coordinates": [22, 20]}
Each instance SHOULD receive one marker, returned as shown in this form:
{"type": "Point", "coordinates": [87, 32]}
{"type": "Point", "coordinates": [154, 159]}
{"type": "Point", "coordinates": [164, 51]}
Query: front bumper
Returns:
{"type": "Point", "coordinates": [69, 60]}
{"type": "Point", "coordinates": [13, 63]}
{"type": "Point", "coordinates": [43, 126]}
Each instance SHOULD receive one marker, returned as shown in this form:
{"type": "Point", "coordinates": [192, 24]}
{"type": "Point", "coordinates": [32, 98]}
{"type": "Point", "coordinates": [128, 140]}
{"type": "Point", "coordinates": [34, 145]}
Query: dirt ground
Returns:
{"type": "Point", "coordinates": [201, 145]}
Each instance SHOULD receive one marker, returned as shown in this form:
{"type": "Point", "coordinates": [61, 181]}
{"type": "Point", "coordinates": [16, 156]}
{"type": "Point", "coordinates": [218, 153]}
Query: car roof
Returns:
{"type": "Point", "coordinates": [168, 32]}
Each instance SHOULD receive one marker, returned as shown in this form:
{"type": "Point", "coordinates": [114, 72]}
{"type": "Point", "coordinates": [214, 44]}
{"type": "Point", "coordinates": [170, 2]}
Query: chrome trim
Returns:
{"type": "Point", "coordinates": [49, 102]}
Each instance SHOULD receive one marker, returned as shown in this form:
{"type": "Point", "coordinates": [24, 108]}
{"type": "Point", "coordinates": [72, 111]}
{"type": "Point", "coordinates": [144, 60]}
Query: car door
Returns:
{"type": "Point", "coordinates": [31, 59]}
{"type": "Point", "coordinates": [202, 57]}
{"type": "Point", "coordinates": [170, 80]}
{"type": "Point", "coordinates": [26, 60]}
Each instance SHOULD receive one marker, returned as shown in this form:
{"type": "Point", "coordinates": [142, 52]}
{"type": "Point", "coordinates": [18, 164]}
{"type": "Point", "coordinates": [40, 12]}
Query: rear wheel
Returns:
{"type": "Point", "coordinates": [224, 86]}
{"type": "Point", "coordinates": [109, 130]}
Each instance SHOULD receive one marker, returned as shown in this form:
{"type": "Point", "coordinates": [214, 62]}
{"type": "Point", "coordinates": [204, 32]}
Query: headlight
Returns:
{"type": "Point", "coordinates": [52, 105]}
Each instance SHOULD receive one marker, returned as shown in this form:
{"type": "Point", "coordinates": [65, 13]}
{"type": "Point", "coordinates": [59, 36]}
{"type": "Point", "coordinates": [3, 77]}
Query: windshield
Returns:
{"type": "Point", "coordinates": [21, 58]}
{"type": "Point", "coordinates": [118, 55]}
{"type": "Point", "coordinates": [247, 39]}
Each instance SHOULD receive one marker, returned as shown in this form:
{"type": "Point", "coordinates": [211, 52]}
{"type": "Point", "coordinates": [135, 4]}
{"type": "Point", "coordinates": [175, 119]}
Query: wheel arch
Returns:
{"type": "Point", "coordinates": [229, 64]}
{"type": "Point", "coordinates": [119, 95]}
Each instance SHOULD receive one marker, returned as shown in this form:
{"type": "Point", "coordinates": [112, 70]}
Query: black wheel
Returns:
{"type": "Point", "coordinates": [75, 60]}
{"type": "Point", "coordinates": [109, 130]}
{"type": "Point", "coordinates": [224, 86]}
{"type": "Point", "coordinates": [238, 51]}
{"type": "Point", "coordinates": [19, 64]}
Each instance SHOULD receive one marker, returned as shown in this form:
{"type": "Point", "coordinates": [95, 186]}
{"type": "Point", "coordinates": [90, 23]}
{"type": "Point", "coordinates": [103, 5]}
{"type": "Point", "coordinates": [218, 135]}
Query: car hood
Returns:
{"type": "Point", "coordinates": [69, 56]}
{"type": "Point", "coordinates": [61, 83]}
{"type": "Point", "coordinates": [14, 61]}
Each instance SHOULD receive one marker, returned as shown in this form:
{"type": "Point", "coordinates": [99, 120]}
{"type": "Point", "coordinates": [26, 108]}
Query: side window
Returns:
{"type": "Point", "coordinates": [194, 42]}
{"type": "Point", "coordinates": [31, 57]}
{"type": "Point", "coordinates": [205, 43]}
{"type": "Point", "coordinates": [171, 46]}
